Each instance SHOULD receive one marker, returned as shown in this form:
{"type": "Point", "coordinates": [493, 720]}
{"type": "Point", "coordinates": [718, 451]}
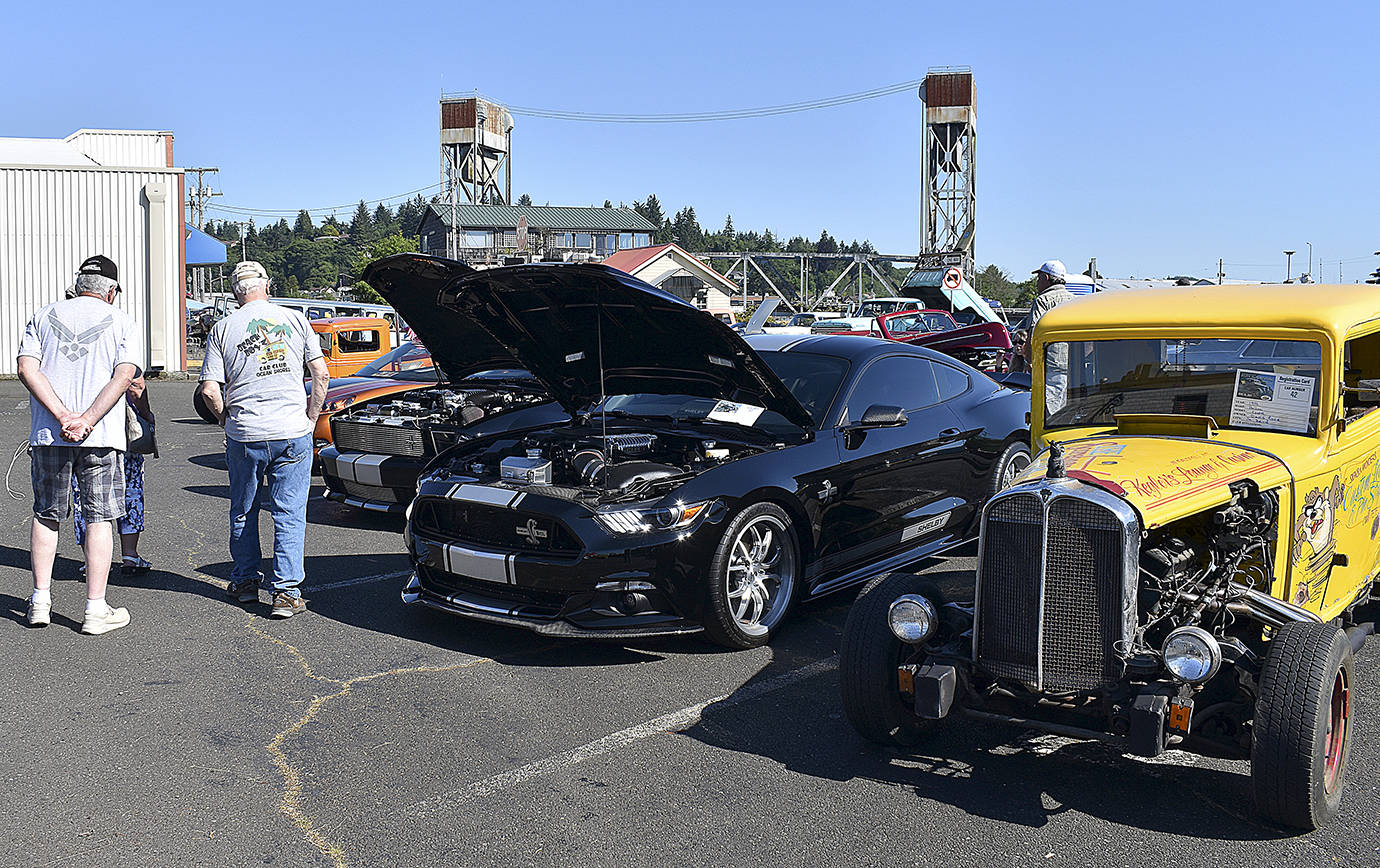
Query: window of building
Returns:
{"type": "Point", "coordinates": [625, 240]}
{"type": "Point", "coordinates": [688, 288]}
{"type": "Point", "coordinates": [474, 238]}
{"type": "Point", "coordinates": [583, 241]}
{"type": "Point", "coordinates": [641, 239]}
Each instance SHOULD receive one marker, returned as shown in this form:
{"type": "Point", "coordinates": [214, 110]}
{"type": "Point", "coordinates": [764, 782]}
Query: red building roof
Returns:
{"type": "Point", "coordinates": [630, 260]}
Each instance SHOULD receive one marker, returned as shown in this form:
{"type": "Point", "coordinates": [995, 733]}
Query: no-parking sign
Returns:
{"type": "Point", "coordinates": [953, 278]}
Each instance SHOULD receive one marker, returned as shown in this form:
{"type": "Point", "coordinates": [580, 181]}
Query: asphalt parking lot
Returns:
{"type": "Point", "coordinates": [368, 733]}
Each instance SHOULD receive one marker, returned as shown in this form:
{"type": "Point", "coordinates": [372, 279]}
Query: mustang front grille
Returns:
{"type": "Point", "coordinates": [377, 439]}
{"type": "Point", "coordinates": [494, 527]}
{"type": "Point", "coordinates": [1056, 586]}
{"type": "Point", "coordinates": [375, 493]}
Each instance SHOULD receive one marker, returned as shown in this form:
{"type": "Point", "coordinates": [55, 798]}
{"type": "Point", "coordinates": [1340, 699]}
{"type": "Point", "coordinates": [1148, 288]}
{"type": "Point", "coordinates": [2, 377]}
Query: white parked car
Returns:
{"type": "Point", "coordinates": [800, 323]}
{"type": "Point", "coordinates": [862, 318]}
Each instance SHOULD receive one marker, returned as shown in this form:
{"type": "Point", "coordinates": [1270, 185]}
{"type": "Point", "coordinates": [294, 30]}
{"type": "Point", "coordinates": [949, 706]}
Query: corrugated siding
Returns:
{"type": "Point", "coordinates": [52, 219]}
{"type": "Point", "coordinates": [122, 147]}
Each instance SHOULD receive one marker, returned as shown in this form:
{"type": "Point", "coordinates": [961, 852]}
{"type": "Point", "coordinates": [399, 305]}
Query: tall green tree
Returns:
{"type": "Point", "coordinates": [525, 200]}
{"type": "Point", "coordinates": [362, 224]}
{"type": "Point", "coordinates": [826, 243]}
{"type": "Point", "coordinates": [385, 246]}
{"type": "Point", "coordinates": [304, 228]}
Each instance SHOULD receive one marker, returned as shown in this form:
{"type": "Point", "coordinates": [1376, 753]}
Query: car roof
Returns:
{"type": "Point", "coordinates": [854, 348]}
{"type": "Point", "coordinates": [362, 321]}
{"type": "Point", "coordinates": [1330, 308]}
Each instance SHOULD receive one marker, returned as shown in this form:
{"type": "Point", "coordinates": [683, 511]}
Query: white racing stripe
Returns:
{"type": "Point", "coordinates": [673, 722]}
{"type": "Point", "coordinates": [359, 580]}
{"type": "Point", "coordinates": [366, 469]}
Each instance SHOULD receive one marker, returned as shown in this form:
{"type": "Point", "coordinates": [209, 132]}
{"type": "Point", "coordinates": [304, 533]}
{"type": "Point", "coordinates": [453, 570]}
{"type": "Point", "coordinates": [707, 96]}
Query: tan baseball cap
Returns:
{"type": "Point", "coordinates": [246, 270]}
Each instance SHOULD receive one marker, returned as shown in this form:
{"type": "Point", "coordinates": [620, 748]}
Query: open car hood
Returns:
{"type": "Point", "coordinates": [558, 320]}
{"type": "Point", "coordinates": [412, 283]}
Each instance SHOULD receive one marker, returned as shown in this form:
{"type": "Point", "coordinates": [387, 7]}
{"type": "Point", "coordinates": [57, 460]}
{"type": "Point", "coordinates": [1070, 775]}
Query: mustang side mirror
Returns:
{"type": "Point", "coordinates": [878, 416]}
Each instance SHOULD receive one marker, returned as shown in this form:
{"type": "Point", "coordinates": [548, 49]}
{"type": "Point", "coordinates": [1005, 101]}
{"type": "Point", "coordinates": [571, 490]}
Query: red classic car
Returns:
{"type": "Point", "coordinates": [981, 345]}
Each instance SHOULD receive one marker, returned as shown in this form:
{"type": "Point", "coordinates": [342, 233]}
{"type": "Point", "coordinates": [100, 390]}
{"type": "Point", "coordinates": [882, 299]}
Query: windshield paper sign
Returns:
{"type": "Point", "coordinates": [1278, 402]}
{"type": "Point", "coordinates": [737, 414]}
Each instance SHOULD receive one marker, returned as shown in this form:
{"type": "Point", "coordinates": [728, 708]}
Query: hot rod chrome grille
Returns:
{"type": "Point", "coordinates": [1056, 586]}
{"type": "Point", "coordinates": [378, 439]}
{"type": "Point", "coordinates": [1008, 636]}
{"type": "Point", "coordinates": [1083, 596]}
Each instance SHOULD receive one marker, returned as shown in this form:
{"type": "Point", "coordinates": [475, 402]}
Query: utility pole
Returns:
{"type": "Point", "coordinates": [1220, 275]}
{"type": "Point", "coordinates": [1288, 271]}
{"type": "Point", "coordinates": [1310, 259]}
{"type": "Point", "coordinates": [197, 196]}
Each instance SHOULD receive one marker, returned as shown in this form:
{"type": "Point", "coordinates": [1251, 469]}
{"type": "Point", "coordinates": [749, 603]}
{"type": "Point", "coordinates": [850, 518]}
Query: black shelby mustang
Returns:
{"type": "Point", "coordinates": [705, 482]}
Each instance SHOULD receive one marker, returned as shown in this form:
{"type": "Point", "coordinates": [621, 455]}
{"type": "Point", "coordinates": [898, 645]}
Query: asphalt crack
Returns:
{"type": "Point", "coordinates": [290, 801]}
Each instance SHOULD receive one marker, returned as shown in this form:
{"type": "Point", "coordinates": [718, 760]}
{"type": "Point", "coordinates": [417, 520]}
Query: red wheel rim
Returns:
{"type": "Point", "coordinates": [1338, 724]}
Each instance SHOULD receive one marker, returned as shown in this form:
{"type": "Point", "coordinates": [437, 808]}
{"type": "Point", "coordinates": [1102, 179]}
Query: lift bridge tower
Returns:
{"type": "Point", "coordinates": [948, 197]}
{"type": "Point", "coordinates": [476, 154]}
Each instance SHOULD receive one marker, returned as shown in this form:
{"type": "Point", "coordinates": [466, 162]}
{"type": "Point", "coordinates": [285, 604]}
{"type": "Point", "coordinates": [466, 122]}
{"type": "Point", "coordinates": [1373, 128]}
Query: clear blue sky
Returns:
{"type": "Point", "coordinates": [1157, 137]}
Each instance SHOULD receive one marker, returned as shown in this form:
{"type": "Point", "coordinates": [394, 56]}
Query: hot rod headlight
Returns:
{"type": "Point", "coordinates": [911, 618]}
{"type": "Point", "coordinates": [1192, 654]}
{"type": "Point", "coordinates": [674, 517]}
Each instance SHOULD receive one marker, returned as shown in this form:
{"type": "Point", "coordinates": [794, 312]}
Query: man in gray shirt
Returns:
{"type": "Point", "coordinates": [82, 352]}
{"type": "Point", "coordinates": [258, 354]}
{"type": "Point", "coordinates": [1052, 291]}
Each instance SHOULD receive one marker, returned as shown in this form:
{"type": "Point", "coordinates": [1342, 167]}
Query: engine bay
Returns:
{"type": "Point", "coordinates": [589, 464]}
{"type": "Point", "coordinates": [440, 406]}
{"type": "Point", "coordinates": [1197, 572]}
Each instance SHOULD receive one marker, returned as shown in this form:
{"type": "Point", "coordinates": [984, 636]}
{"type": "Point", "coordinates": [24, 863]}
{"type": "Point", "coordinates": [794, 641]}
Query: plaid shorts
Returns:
{"type": "Point", "coordinates": [100, 472]}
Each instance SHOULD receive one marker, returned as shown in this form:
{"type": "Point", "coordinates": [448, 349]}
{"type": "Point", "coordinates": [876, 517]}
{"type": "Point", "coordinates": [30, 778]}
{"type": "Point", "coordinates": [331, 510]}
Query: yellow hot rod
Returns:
{"type": "Point", "coordinates": [1189, 561]}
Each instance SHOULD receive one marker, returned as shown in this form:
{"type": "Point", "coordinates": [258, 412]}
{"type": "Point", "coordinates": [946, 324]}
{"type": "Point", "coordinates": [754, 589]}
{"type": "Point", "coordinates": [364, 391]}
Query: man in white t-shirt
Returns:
{"type": "Point", "coordinates": [82, 352]}
{"type": "Point", "coordinates": [259, 354]}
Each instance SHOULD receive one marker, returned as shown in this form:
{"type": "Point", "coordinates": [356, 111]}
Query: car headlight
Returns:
{"type": "Point", "coordinates": [1192, 654]}
{"type": "Point", "coordinates": [646, 520]}
{"type": "Point", "coordinates": [911, 618]}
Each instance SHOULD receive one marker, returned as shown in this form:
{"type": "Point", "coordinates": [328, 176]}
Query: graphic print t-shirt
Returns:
{"type": "Point", "coordinates": [260, 352]}
{"type": "Point", "coordinates": [78, 343]}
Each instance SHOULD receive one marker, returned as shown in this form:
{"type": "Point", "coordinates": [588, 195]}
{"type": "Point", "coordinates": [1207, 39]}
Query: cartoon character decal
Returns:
{"type": "Point", "coordinates": [1314, 542]}
{"type": "Point", "coordinates": [270, 341]}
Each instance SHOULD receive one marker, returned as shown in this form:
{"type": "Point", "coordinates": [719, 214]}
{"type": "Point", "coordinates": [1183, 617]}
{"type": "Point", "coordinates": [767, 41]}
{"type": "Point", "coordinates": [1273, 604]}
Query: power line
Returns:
{"type": "Point", "coordinates": [289, 212]}
{"type": "Point", "coordinates": [704, 117]}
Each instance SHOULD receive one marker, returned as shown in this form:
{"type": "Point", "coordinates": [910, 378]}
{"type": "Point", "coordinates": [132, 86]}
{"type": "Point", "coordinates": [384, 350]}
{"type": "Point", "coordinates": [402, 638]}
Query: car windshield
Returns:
{"type": "Point", "coordinates": [919, 323]}
{"type": "Point", "coordinates": [410, 362]}
{"type": "Point", "coordinates": [813, 379]}
{"type": "Point", "coordinates": [1265, 385]}
{"type": "Point", "coordinates": [879, 308]}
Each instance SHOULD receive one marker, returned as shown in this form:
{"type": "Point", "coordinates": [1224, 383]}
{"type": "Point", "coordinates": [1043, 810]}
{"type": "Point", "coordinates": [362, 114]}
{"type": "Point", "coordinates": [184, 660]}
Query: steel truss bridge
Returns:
{"type": "Point", "coordinates": [864, 273]}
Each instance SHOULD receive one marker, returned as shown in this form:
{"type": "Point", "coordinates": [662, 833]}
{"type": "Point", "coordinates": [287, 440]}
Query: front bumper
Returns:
{"type": "Point", "coordinates": [378, 483]}
{"type": "Point", "coordinates": [1139, 718]}
{"type": "Point", "coordinates": [597, 584]}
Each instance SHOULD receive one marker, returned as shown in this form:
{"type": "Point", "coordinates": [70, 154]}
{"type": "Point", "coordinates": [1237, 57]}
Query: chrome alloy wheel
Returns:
{"type": "Point", "coordinates": [761, 574]}
{"type": "Point", "coordinates": [1015, 467]}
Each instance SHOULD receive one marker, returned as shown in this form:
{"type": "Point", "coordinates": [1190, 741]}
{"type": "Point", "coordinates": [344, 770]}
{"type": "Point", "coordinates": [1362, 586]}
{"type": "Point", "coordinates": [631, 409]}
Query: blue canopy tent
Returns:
{"type": "Point", "coordinates": [202, 249]}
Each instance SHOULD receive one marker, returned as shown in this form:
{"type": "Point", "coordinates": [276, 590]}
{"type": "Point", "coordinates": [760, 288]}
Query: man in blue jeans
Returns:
{"type": "Point", "coordinates": [259, 354]}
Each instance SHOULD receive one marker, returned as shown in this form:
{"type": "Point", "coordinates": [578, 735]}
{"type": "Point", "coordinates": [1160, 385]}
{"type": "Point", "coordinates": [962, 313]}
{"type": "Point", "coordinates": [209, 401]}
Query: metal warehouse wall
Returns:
{"type": "Point", "coordinates": [51, 218]}
{"type": "Point", "coordinates": [124, 147]}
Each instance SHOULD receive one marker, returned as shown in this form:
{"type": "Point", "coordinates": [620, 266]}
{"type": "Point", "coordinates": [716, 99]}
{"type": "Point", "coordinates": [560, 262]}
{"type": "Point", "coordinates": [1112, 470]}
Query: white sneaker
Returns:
{"type": "Point", "coordinates": [97, 623]}
{"type": "Point", "coordinates": [40, 614]}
